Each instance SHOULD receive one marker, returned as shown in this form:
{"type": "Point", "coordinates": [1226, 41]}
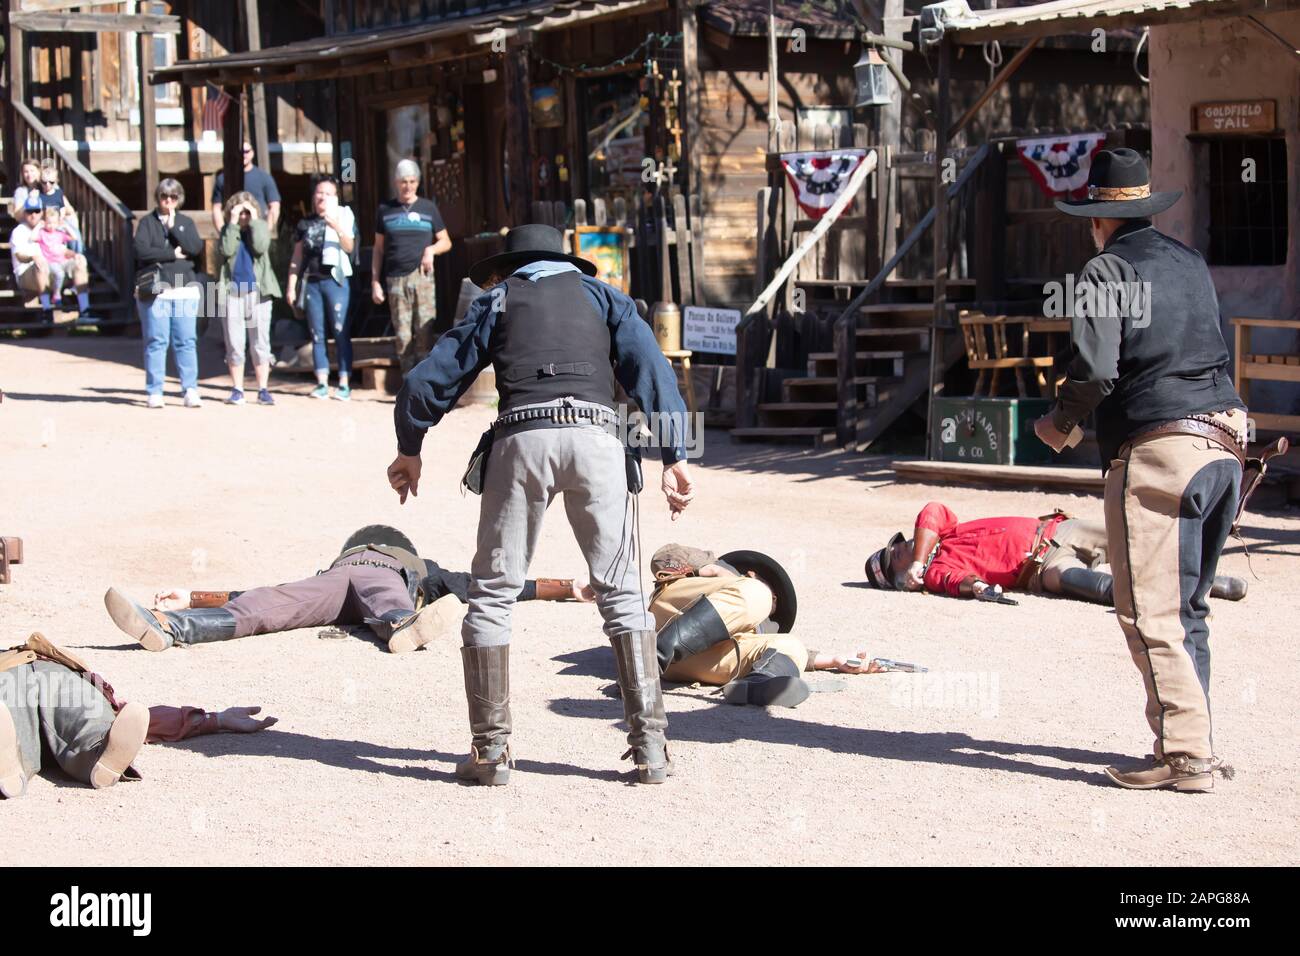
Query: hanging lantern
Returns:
{"type": "Point", "coordinates": [873, 80]}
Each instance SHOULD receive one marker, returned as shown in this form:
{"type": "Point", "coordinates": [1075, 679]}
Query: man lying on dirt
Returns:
{"type": "Point", "coordinates": [726, 621]}
{"type": "Point", "coordinates": [51, 703]}
{"type": "Point", "coordinates": [1055, 554]}
{"type": "Point", "coordinates": [378, 580]}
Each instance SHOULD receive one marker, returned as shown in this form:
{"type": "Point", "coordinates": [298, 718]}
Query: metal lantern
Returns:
{"type": "Point", "coordinates": [872, 76]}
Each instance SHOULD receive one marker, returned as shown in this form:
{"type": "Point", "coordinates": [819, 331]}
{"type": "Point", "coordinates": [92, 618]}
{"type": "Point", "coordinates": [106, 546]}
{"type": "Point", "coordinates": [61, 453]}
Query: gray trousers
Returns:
{"type": "Point", "coordinates": [526, 470]}
{"type": "Point", "coordinates": [55, 706]}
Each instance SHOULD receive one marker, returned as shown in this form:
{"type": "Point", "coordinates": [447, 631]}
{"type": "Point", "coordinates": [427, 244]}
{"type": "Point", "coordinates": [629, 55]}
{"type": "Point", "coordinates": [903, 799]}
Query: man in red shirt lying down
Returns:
{"type": "Point", "coordinates": [983, 558]}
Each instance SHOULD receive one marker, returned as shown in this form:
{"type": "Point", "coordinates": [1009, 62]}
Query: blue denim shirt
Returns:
{"type": "Point", "coordinates": [434, 386]}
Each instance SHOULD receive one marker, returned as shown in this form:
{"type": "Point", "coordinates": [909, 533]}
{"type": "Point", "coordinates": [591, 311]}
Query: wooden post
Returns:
{"type": "Point", "coordinates": [16, 54]}
{"type": "Point", "coordinates": [232, 146]}
{"type": "Point", "coordinates": [261, 136]}
{"type": "Point", "coordinates": [773, 105]}
{"type": "Point", "coordinates": [940, 233]}
{"type": "Point", "coordinates": [692, 94]}
{"type": "Point", "coordinates": [148, 121]}
{"type": "Point", "coordinates": [518, 132]}
{"type": "Point", "coordinates": [991, 229]}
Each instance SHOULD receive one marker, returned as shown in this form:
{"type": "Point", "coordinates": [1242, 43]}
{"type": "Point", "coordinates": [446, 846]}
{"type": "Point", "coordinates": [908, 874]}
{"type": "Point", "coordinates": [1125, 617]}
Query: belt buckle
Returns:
{"type": "Point", "coordinates": [548, 369]}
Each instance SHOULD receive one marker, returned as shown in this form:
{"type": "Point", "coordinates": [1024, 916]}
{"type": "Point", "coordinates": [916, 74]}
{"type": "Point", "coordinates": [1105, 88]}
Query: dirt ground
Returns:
{"type": "Point", "coordinates": [993, 757]}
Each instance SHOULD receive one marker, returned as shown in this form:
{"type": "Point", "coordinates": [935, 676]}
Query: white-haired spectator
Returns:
{"type": "Point", "coordinates": [410, 232]}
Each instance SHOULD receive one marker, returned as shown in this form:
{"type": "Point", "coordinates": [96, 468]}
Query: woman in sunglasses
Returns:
{"type": "Point", "coordinates": [168, 297]}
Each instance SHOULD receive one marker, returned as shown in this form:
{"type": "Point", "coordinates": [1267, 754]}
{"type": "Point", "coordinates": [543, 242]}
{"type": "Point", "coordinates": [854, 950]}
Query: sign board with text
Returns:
{"type": "Point", "coordinates": [710, 330]}
{"type": "Point", "coordinates": [1235, 116]}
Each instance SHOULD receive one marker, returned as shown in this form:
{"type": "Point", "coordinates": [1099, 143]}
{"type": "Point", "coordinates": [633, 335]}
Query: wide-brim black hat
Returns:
{"type": "Point", "coordinates": [1119, 187]}
{"type": "Point", "coordinates": [879, 567]}
{"type": "Point", "coordinates": [767, 570]}
{"type": "Point", "coordinates": [525, 244]}
{"type": "Point", "coordinates": [386, 536]}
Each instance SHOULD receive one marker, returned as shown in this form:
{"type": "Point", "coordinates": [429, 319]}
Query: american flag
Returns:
{"type": "Point", "coordinates": [214, 109]}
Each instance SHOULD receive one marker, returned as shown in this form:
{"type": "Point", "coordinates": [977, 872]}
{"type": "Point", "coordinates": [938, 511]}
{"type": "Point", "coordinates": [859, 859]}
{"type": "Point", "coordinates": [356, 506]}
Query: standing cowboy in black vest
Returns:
{"type": "Point", "coordinates": [1149, 358]}
{"type": "Point", "coordinates": [558, 340]}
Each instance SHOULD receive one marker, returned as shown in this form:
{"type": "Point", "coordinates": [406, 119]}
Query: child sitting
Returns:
{"type": "Point", "coordinates": [60, 246]}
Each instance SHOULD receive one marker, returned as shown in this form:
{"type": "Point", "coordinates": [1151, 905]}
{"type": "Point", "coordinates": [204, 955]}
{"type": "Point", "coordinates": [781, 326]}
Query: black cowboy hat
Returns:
{"type": "Point", "coordinates": [525, 244]}
{"type": "Point", "coordinates": [879, 567]}
{"type": "Point", "coordinates": [386, 536]}
{"type": "Point", "coordinates": [1119, 187]}
{"type": "Point", "coordinates": [768, 571]}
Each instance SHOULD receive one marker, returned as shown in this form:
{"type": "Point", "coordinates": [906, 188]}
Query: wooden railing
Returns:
{"type": "Point", "coordinates": [105, 221]}
{"type": "Point", "coordinates": [846, 326]}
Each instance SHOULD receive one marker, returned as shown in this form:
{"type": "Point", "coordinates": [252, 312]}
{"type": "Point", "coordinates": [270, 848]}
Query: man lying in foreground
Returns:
{"type": "Point", "coordinates": [378, 580]}
{"type": "Point", "coordinates": [726, 621]}
{"type": "Point", "coordinates": [1055, 554]}
{"type": "Point", "coordinates": [50, 702]}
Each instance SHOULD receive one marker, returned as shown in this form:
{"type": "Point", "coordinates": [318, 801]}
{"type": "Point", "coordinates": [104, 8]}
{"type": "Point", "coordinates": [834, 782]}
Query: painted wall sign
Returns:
{"type": "Point", "coordinates": [710, 330]}
{"type": "Point", "coordinates": [1235, 116]}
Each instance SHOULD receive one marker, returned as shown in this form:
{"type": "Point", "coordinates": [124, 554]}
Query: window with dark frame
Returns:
{"type": "Point", "coordinates": [1248, 219]}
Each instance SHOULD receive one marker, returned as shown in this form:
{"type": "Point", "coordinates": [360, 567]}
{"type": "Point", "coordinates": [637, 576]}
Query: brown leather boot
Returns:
{"type": "Point", "coordinates": [1174, 771]}
{"type": "Point", "coordinates": [406, 633]}
{"type": "Point", "coordinates": [13, 782]}
{"type": "Point", "coordinates": [125, 738]}
{"type": "Point", "coordinates": [637, 658]}
{"type": "Point", "coordinates": [487, 690]}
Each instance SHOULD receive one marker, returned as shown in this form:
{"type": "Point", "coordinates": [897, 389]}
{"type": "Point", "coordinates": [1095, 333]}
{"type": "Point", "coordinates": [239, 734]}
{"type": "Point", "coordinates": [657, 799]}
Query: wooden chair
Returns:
{"type": "Point", "coordinates": [989, 341]}
{"type": "Point", "coordinates": [1250, 366]}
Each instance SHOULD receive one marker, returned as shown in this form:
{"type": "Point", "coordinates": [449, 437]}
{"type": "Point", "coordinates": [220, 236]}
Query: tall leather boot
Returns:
{"type": "Point", "coordinates": [1228, 588]}
{"type": "Point", "coordinates": [1097, 587]}
{"type": "Point", "coordinates": [198, 625]}
{"type": "Point", "coordinates": [695, 629]}
{"type": "Point", "coordinates": [487, 690]}
{"type": "Point", "coordinates": [774, 681]}
{"type": "Point", "coordinates": [407, 631]}
{"type": "Point", "coordinates": [643, 703]}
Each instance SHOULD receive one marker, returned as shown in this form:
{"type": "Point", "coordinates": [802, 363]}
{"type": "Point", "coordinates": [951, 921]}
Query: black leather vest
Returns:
{"type": "Point", "coordinates": [1177, 365]}
{"type": "Point", "coordinates": [549, 342]}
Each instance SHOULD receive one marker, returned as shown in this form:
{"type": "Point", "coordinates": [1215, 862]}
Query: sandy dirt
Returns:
{"type": "Point", "coordinates": [993, 757]}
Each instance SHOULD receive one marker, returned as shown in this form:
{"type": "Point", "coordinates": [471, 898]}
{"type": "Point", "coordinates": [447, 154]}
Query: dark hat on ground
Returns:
{"type": "Point", "coordinates": [525, 244]}
{"type": "Point", "coordinates": [879, 566]}
{"type": "Point", "coordinates": [386, 536]}
{"type": "Point", "coordinates": [1119, 187]}
{"type": "Point", "coordinates": [767, 570]}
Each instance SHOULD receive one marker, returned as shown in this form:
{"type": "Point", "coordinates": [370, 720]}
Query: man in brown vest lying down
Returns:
{"type": "Point", "coordinates": [378, 580]}
{"type": "Point", "coordinates": [50, 701]}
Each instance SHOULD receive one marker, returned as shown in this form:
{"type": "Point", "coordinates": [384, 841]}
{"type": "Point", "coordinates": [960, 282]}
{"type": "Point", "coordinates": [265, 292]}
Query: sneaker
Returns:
{"type": "Point", "coordinates": [154, 401]}
{"type": "Point", "coordinates": [264, 397]}
{"type": "Point", "coordinates": [192, 399]}
{"type": "Point", "coordinates": [343, 393]}
{"type": "Point", "coordinates": [320, 391]}
{"type": "Point", "coordinates": [236, 397]}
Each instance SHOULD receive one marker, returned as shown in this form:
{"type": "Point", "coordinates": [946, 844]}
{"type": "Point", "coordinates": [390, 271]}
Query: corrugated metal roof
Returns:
{"type": "Point", "coordinates": [1068, 16]}
{"type": "Point", "coordinates": [477, 29]}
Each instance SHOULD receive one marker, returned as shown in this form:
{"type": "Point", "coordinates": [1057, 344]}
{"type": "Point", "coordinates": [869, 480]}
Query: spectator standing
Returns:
{"type": "Point", "coordinates": [320, 275]}
{"type": "Point", "coordinates": [248, 282]}
{"type": "Point", "coordinates": [256, 181]}
{"type": "Point", "coordinates": [409, 234]}
{"type": "Point", "coordinates": [167, 294]}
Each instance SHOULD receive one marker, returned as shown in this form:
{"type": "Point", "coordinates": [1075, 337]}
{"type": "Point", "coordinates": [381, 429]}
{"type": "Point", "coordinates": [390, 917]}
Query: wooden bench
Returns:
{"type": "Point", "coordinates": [989, 341]}
{"type": "Point", "coordinates": [1273, 367]}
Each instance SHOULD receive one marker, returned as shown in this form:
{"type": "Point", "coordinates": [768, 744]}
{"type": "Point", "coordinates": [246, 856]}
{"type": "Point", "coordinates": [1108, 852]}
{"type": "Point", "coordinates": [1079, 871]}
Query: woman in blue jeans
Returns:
{"type": "Point", "coordinates": [322, 262]}
{"type": "Point", "coordinates": [167, 296]}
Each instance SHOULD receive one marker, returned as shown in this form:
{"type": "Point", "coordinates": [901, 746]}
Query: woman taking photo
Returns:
{"type": "Point", "coordinates": [167, 294]}
{"type": "Point", "coordinates": [319, 281]}
{"type": "Point", "coordinates": [249, 283]}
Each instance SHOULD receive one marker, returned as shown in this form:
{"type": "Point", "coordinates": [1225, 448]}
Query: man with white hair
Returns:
{"type": "Point", "coordinates": [408, 234]}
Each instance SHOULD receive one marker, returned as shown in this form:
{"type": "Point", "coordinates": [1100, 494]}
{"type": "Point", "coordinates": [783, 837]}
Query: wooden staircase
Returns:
{"type": "Point", "coordinates": [106, 224]}
{"type": "Point", "coordinates": [890, 371]}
